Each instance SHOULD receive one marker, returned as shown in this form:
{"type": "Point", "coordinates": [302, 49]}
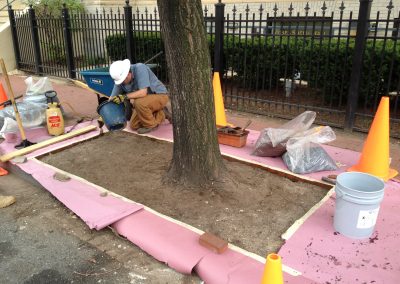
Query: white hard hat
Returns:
{"type": "Point", "coordinates": [119, 70]}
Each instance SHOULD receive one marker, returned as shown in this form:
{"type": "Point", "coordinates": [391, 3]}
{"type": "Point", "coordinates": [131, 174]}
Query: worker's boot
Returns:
{"type": "Point", "coordinates": [144, 130]}
{"type": "Point", "coordinates": [6, 201]}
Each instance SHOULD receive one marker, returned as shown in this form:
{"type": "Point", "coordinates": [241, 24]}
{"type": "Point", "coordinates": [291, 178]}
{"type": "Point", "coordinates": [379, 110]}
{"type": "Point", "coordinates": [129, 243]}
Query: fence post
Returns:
{"type": "Point", "coordinates": [11, 16]}
{"type": "Point", "coordinates": [35, 40]}
{"type": "Point", "coordinates": [356, 69]}
{"type": "Point", "coordinates": [69, 50]}
{"type": "Point", "coordinates": [130, 45]}
{"type": "Point", "coordinates": [219, 36]}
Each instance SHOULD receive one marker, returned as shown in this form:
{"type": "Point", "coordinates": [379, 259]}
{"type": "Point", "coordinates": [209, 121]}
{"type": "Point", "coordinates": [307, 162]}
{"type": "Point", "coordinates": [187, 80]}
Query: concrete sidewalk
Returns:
{"type": "Point", "coordinates": [84, 103]}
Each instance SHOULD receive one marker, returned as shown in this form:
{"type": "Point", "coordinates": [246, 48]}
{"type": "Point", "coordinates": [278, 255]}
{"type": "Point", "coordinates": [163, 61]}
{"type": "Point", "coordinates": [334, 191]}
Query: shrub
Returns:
{"type": "Point", "coordinates": [325, 65]}
{"type": "Point", "coordinates": [116, 46]}
{"type": "Point", "coordinates": [259, 63]}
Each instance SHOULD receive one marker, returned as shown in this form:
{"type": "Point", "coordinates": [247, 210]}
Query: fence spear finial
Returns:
{"type": "Point", "coordinates": [342, 7]}
{"type": "Point", "coordinates": [390, 6]}
{"type": "Point", "coordinates": [324, 7]}
{"type": "Point", "coordinates": [307, 8]}
{"type": "Point", "coordinates": [275, 9]}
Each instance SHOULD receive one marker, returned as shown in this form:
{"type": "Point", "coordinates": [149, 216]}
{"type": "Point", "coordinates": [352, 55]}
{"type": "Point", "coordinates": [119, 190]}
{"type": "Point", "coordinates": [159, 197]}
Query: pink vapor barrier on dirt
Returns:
{"type": "Point", "coordinates": [344, 158]}
{"type": "Point", "coordinates": [82, 198]}
{"type": "Point", "coordinates": [315, 250]}
{"type": "Point", "coordinates": [325, 256]}
{"type": "Point", "coordinates": [166, 241]}
{"type": "Point", "coordinates": [235, 268]}
{"type": "Point", "coordinates": [179, 247]}
{"type": "Point", "coordinates": [39, 134]}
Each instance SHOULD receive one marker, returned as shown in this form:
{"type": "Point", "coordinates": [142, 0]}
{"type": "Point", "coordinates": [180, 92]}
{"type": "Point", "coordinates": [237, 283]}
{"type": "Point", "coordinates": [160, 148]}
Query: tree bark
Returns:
{"type": "Point", "coordinates": [196, 156]}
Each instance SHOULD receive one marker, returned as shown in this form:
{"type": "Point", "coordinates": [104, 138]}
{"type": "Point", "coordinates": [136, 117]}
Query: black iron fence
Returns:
{"type": "Point", "coordinates": [277, 62]}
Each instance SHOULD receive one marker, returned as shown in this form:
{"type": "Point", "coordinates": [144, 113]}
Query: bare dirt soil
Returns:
{"type": "Point", "coordinates": [252, 214]}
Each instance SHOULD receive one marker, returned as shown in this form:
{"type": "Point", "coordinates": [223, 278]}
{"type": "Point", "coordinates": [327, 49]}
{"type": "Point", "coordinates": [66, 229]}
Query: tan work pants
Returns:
{"type": "Point", "coordinates": [148, 111]}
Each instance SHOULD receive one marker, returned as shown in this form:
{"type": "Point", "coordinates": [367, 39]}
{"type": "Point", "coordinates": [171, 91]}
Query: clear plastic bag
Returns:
{"type": "Point", "coordinates": [272, 141]}
{"type": "Point", "coordinates": [32, 114]}
{"type": "Point", "coordinates": [7, 125]}
{"type": "Point", "coordinates": [304, 155]}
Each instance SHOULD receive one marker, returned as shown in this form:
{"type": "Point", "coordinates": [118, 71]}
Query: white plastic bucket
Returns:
{"type": "Point", "coordinates": [358, 197]}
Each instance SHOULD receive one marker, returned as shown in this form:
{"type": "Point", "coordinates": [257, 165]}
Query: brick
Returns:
{"type": "Point", "coordinates": [213, 243]}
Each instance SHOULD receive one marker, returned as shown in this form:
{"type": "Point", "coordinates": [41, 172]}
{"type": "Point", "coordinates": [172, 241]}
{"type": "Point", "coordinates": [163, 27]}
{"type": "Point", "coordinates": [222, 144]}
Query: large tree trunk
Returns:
{"type": "Point", "coordinates": [196, 157]}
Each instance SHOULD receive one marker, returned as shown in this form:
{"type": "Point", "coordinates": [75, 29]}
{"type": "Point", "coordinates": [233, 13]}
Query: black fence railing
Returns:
{"type": "Point", "coordinates": [277, 62]}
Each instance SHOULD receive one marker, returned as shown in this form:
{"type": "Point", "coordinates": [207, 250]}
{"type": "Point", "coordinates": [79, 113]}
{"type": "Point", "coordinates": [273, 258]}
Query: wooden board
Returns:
{"type": "Point", "coordinates": [43, 144]}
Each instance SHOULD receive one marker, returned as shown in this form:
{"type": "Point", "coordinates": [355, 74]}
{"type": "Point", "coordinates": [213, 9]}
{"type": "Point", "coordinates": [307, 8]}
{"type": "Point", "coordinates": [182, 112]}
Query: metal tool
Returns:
{"type": "Point", "coordinates": [247, 125]}
{"type": "Point", "coordinates": [234, 130]}
{"type": "Point", "coordinates": [8, 102]}
{"type": "Point", "coordinates": [330, 179]}
{"type": "Point", "coordinates": [230, 130]}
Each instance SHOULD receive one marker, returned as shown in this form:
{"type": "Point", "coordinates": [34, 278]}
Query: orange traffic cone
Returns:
{"type": "Point", "coordinates": [3, 96]}
{"type": "Point", "coordinates": [3, 172]}
{"type": "Point", "coordinates": [375, 155]}
{"type": "Point", "coordinates": [218, 101]}
{"type": "Point", "coordinates": [273, 270]}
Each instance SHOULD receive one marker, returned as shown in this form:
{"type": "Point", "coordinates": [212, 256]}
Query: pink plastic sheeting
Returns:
{"type": "Point", "coordinates": [82, 198]}
{"type": "Point", "coordinates": [314, 249]}
{"type": "Point", "coordinates": [232, 267]}
{"type": "Point", "coordinates": [345, 158]}
{"type": "Point", "coordinates": [37, 135]}
{"type": "Point", "coordinates": [178, 246]}
{"type": "Point", "coordinates": [229, 267]}
{"type": "Point", "coordinates": [166, 241]}
{"type": "Point", "coordinates": [326, 256]}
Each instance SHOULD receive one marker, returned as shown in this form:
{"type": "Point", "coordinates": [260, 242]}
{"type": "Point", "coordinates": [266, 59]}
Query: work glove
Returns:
{"type": "Point", "coordinates": [119, 99]}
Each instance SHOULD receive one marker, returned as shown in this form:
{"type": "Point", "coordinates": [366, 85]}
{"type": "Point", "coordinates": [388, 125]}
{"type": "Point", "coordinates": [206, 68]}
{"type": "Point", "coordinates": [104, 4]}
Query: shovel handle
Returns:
{"type": "Point", "coordinates": [247, 124]}
{"type": "Point", "coordinates": [19, 121]}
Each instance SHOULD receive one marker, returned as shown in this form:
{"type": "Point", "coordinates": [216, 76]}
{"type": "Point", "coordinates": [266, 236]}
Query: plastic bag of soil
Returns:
{"type": "Point", "coordinates": [32, 114]}
{"type": "Point", "coordinates": [305, 155]}
{"type": "Point", "coordinates": [272, 141]}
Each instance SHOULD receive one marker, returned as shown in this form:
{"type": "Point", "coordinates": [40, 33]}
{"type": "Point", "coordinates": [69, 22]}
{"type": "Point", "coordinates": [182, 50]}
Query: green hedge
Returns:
{"type": "Point", "coordinates": [146, 45]}
{"type": "Point", "coordinates": [259, 63]}
{"type": "Point", "coordinates": [325, 65]}
{"type": "Point", "coordinates": [116, 46]}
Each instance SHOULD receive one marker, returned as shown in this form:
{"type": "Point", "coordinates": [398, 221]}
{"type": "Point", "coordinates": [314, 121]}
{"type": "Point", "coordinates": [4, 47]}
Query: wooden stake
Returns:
{"type": "Point", "coordinates": [85, 86]}
{"type": "Point", "coordinates": [43, 144]}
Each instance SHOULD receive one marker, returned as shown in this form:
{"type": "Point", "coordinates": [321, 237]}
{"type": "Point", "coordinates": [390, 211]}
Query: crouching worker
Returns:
{"type": "Point", "coordinates": [140, 85]}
